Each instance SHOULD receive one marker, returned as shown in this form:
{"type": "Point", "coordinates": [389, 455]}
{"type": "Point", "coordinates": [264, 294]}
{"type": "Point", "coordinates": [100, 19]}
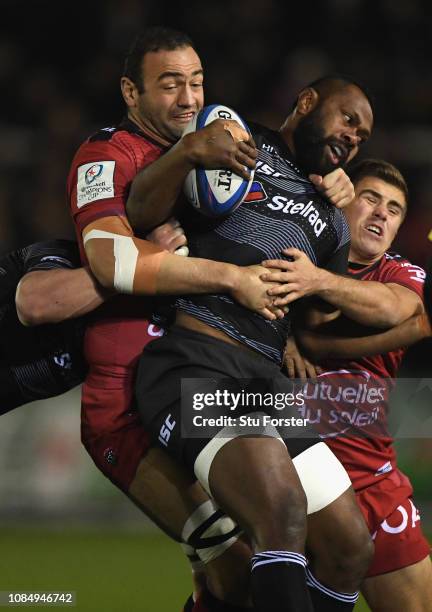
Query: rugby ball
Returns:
{"type": "Point", "coordinates": [215, 193]}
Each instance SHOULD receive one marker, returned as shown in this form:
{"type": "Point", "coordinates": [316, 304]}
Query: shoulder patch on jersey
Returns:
{"type": "Point", "coordinates": [95, 181]}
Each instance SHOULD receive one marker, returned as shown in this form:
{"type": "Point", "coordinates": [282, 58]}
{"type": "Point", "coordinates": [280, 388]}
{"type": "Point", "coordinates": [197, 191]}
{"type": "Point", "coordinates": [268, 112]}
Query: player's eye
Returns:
{"type": "Point", "coordinates": [348, 118]}
{"type": "Point", "coordinates": [393, 210]}
{"type": "Point", "coordinates": [197, 85]}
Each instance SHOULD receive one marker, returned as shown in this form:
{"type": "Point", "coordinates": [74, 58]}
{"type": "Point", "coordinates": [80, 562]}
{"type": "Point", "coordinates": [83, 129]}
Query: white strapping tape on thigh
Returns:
{"type": "Point", "coordinates": [208, 453]}
{"type": "Point", "coordinates": [322, 476]}
{"type": "Point", "coordinates": [125, 256]}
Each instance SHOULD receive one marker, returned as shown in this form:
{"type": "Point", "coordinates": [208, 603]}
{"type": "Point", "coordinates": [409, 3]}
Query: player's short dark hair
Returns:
{"type": "Point", "coordinates": [156, 38]}
{"type": "Point", "coordinates": [327, 84]}
{"type": "Point", "coordinates": [380, 169]}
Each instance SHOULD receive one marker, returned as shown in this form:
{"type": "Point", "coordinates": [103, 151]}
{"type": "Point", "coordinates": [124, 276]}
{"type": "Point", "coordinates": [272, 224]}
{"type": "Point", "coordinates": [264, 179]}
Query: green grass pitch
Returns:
{"type": "Point", "coordinates": [109, 571]}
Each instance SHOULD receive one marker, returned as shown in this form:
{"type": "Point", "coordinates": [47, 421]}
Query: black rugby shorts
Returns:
{"type": "Point", "coordinates": [185, 354]}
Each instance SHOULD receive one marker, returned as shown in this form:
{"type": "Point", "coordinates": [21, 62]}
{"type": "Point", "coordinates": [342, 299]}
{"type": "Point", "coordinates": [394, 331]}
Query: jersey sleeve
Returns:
{"type": "Point", "coordinates": [99, 180]}
{"type": "Point", "coordinates": [51, 255]}
{"type": "Point", "coordinates": [403, 272]}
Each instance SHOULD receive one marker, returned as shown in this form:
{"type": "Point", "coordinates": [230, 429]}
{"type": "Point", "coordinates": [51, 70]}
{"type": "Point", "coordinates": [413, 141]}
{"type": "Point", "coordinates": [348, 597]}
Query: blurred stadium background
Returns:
{"type": "Point", "coordinates": [62, 525]}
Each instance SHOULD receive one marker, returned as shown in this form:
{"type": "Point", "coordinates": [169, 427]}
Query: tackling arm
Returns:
{"type": "Point", "coordinates": [126, 264]}
{"type": "Point", "coordinates": [51, 296]}
{"type": "Point", "coordinates": [374, 303]}
{"type": "Point", "coordinates": [323, 344]}
{"type": "Point", "coordinates": [369, 302]}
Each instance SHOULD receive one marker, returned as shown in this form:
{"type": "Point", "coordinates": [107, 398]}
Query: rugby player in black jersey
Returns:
{"type": "Point", "coordinates": [253, 478]}
{"type": "Point", "coordinates": [46, 360]}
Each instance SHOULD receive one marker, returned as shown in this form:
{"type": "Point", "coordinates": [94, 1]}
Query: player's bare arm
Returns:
{"type": "Point", "coordinates": [368, 302]}
{"type": "Point", "coordinates": [51, 296]}
{"type": "Point", "coordinates": [323, 343]}
{"type": "Point", "coordinates": [296, 364]}
{"type": "Point", "coordinates": [126, 264]}
{"type": "Point", "coordinates": [154, 191]}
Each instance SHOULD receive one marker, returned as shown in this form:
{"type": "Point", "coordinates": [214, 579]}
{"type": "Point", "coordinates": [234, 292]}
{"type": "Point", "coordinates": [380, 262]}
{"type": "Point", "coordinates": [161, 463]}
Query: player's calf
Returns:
{"type": "Point", "coordinates": [339, 547]}
{"type": "Point", "coordinates": [408, 589]}
{"type": "Point", "coordinates": [339, 543]}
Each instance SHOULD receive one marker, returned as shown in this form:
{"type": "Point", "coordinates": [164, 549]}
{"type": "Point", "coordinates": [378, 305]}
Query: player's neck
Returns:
{"type": "Point", "coordinates": [362, 259]}
{"type": "Point", "coordinates": [148, 131]}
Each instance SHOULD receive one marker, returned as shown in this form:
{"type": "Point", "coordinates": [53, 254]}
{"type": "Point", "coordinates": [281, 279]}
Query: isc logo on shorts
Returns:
{"type": "Point", "coordinates": [166, 430]}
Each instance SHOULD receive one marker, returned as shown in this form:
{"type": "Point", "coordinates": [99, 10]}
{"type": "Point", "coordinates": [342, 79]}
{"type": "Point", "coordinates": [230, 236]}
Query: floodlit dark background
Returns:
{"type": "Point", "coordinates": [60, 64]}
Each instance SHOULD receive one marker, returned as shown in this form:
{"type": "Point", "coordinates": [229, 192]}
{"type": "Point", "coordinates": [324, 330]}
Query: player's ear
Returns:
{"type": "Point", "coordinates": [307, 101]}
{"type": "Point", "coordinates": [129, 91]}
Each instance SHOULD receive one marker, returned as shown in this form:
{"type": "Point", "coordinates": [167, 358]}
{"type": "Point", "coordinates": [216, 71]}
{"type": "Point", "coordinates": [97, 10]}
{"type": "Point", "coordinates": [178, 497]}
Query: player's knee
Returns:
{"type": "Point", "coordinates": [282, 520]}
{"type": "Point", "coordinates": [349, 561]}
{"type": "Point", "coordinates": [360, 557]}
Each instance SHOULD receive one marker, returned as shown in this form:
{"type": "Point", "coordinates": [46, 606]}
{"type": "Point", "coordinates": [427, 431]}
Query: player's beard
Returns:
{"type": "Point", "coordinates": [310, 143]}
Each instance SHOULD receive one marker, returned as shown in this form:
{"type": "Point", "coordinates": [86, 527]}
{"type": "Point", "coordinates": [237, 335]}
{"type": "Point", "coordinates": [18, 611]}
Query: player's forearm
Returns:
{"type": "Point", "coordinates": [155, 189]}
{"type": "Point", "coordinates": [183, 275]}
{"type": "Point", "coordinates": [319, 346]}
{"type": "Point", "coordinates": [52, 296]}
{"type": "Point", "coordinates": [367, 302]}
{"type": "Point", "coordinates": [126, 264]}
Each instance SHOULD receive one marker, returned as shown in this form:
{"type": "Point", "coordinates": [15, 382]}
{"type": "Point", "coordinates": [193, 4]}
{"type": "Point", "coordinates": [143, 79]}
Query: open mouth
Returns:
{"type": "Point", "coordinates": [338, 153]}
{"type": "Point", "coordinates": [374, 229]}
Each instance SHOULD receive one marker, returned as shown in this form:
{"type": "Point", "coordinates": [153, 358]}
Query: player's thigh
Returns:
{"type": "Point", "coordinates": [165, 491]}
{"type": "Point", "coordinates": [405, 590]}
{"type": "Point", "coordinates": [118, 443]}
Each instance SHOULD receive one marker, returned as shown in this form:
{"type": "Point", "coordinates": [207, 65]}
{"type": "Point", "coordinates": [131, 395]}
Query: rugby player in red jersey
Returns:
{"type": "Point", "coordinates": [163, 88]}
{"type": "Point", "coordinates": [400, 576]}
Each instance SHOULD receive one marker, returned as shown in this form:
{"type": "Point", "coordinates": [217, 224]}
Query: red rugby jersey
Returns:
{"type": "Point", "coordinates": [367, 450]}
{"type": "Point", "coordinates": [98, 185]}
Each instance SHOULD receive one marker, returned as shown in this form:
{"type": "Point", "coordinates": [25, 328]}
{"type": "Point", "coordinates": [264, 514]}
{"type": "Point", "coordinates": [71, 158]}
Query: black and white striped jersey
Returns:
{"type": "Point", "coordinates": [282, 210]}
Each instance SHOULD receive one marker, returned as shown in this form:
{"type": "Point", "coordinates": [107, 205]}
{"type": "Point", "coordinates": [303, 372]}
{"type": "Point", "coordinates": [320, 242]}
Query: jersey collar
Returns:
{"type": "Point", "coordinates": [359, 270]}
{"type": "Point", "coordinates": [131, 127]}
